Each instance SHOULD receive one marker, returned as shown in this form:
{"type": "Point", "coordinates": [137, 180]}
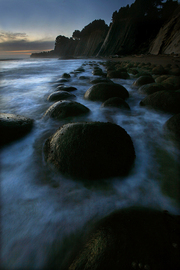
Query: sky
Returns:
{"type": "Point", "coordinates": [28, 26]}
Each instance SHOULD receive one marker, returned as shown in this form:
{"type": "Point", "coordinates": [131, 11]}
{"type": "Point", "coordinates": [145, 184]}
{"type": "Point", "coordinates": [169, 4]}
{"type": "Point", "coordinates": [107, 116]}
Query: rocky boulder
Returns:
{"type": "Point", "coordinates": [104, 91]}
{"type": "Point", "coordinates": [66, 88]}
{"type": "Point", "coordinates": [151, 88]}
{"type": "Point", "coordinates": [173, 126]}
{"type": "Point", "coordinates": [60, 95]}
{"type": "Point", "coordinates": [90, 150]}
{"type": "Point", "coordinates": [117, 74]}
{"type": "Point", "coordinates": [132, 238]}
{"type": "Point", "coordinates": [13, 127]}
{"type": "Point", "coordinates": [65, 108]}
{"type": "Point", "coordinates": [115, 102]}
{"type": "Point", "coordinates": [167, 101]}
{"type": "Point", "coordinates": [143, 80]}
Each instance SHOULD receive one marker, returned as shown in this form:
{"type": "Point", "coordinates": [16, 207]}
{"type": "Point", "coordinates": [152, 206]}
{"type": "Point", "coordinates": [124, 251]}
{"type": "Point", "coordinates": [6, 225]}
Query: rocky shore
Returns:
{"type": "Point", "coordinates": [130, 238]}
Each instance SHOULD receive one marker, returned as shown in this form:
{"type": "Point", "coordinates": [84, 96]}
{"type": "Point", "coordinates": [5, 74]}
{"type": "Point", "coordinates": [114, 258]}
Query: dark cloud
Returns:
{"type": "Point", "coordinates": [21, 45]}
{"type": "Point", "coordinates": [19, 42]}
{"type": "Point", "coordinates": [11, 36]}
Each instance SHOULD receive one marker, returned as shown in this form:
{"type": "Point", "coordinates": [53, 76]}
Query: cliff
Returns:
{"type": "Point", "coordinates": [65, 47]}
{"type": "Point", "coordinates": [85, 43]}
{"type": "Point", "coordinates": [91, 44]}
{"type": "Point", "coordinates": [168, 39]}
{"type": "Point", "coordinates": [135, 29]}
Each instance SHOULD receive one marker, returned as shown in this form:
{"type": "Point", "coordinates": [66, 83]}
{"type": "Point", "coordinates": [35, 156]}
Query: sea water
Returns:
{"type": "Point", "coordinates": [44, 213]}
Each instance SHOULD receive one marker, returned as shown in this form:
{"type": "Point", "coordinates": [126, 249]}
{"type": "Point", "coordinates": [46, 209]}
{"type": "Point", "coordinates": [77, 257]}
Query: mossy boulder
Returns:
{"type": "Point", "coordinates": [117, 74]}
{"type": "Point", "coordinates": [101, 80]}
{"type": "Point", "coordinates": [151, 88]}
{"type": "Point", "coordinates": [115, 102]}
{"type": "Point", "coordinates": [13, 127]}
{"type": "Point", "coordinates": [132, 238]}
{"type": "Point", "coordinates": [173, 126]}
{"type": "Point", "coordinates": [91, 150]}
{"type": "Point", "coordinates": [172, 82]}
{"type": "Point", "coordinates": [66, 88]}
{"type": "Point", "coordinates": [161, 78]}
{"type": "Point", "coordinates": [65, 108]}
{"type": "Point", "coordinates": [66, 75]}
{"type": "Point", "coordinates": [143, 80]}
{"type": "Point", "coordinates": [60, 95]}
{"type": "Point", "coordinates": [167, 101]}
{"type": "Point", "coordinates": [158, 70]}
{"type": "Point", "coordinates": [104, 91]}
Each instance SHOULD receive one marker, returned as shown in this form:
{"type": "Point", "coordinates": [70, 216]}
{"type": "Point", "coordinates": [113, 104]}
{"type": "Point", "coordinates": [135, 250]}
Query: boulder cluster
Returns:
{"type": "Point", "coordinates": [132, 238]}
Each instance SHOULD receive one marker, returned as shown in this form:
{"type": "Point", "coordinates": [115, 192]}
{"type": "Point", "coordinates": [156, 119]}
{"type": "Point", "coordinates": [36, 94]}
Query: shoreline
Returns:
{"type": "Point", "coordinates": [150, 58]}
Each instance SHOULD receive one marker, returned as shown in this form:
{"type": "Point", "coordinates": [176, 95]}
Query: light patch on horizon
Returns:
{"type": "Point", "coordinates": [20, 44]}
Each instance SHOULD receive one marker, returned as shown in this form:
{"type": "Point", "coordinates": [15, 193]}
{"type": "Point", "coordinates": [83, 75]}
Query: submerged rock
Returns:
{"type": "Point", "coordinates": [91, 150]}
{"type": "Point", "coordinates": [167, 101]}
{"type": "Point", "coordinates": [104, 91]}
{"type": "Point", "coordinates": [132, 238]}
{"type": "Point", "coordinates": [116, 102]}
{"type": "Point", "coordinates": [65, 108]}
{"type": "Point", "coordinates": [59, 95]}
{"type": "Point", "coordinates": [13, 127]}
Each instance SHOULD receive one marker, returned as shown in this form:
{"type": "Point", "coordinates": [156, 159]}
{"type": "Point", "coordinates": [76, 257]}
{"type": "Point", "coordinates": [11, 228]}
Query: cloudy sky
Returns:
{"type": "Point", "coordinates": [28, 26]}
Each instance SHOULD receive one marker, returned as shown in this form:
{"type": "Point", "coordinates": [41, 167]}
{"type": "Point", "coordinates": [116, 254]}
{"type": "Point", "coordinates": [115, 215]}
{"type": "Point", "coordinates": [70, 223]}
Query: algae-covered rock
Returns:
{"type": "Point", "coordinates": [151, 88]}
{"type": "Point", "coordinates": [90, 150]}
{"type": "Point", "coordinates": [115, 102]}
{"type": "Point", "coordinates": [13, 127]}
{"type": "Point", "coordinates": [143, 80]}
{"type": "Point", "coordinates": [173, 125]}
{"type": "Point", "coordinates": [132, 238]}
{"type": "Point", "coordinates": [104, 91]}
{"type": "Point", "coordinates": [167, 101]}
{"type": "Point", "coordinates": [65, 108]}
{"type": "Point", "coordinates": [60, 95]}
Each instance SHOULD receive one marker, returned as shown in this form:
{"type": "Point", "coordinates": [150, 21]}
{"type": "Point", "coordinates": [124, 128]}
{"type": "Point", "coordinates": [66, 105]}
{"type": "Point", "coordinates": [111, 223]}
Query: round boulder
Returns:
{"type": "Point", "coordinates": [116, 102]}
{"type": "Point", "coordinates": [66, 76]}
{"type": "Point", "coordinates": [117, 74]}
{"type": "Point", "coordinates": [66, 88]}
{"type": "Point", "coordinates": [151, 88]}
{"type": "Point", "coordinates": [13, 127]}
{"type": "Point", "coordinates": [90, 150]}
{"type": "Point", "coordinates": [173, 125]}
{"type": "Point", "coordinates": [65, 108]}
{"type": "Point", "coordinates": [59, 95]}
{"type": "Point", "coordinates": [101, 80]}
{"type": "Point", "coordinates": [159, 70]}
{"type": "Point", "coordinates": [131, 238]}
{"type": "Point", "coordinates": [167, 101]}
{"type": "Point", "coordinates": [143, 80]}
{"type": "Point", "coordinates": [104, 91]}
{"type": "Point", "coordinates": [172, 82]}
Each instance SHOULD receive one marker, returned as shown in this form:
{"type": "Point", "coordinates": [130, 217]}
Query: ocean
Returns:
{"type": "Point", "coordinates": [43, 213]}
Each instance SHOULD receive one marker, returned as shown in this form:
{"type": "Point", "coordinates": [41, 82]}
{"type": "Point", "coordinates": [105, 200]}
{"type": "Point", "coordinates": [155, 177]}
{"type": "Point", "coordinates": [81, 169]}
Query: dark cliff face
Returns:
{"type": "Point", "coordinates": [168, 39]}
{"type": "Point", "coordinates": [90, 45]}
{"type": "Point", "coordinates": [134, 30]}
{"type": "Point", "coordinates": [129, 36]}
{"type": "Point", "coordinates": [65, 47]}
{"type": "Point", "coordinates": [87, 44]}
